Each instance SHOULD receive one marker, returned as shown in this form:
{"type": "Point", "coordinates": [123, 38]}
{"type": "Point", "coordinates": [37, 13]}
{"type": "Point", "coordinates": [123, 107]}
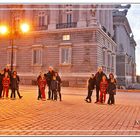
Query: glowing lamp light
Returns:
{"type": "Point", "coordinates": [24, 27]}
{"type": "Point", "coordinates": [3, 29]}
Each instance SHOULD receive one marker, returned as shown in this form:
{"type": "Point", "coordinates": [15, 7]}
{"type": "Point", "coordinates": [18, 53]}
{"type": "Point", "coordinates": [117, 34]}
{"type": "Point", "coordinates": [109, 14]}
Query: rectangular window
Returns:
{"type": "Point", "coordinates": [108, 60]}
{"type": "Point", "coordinates": [69, 18]}
{"type": "Point", "coordinates": [37, 57]}
{"type": "Point", "coordinates": [104, 58]}
{"type": "Point", "coordinates": [112, 61]}
{"type": "Point", "coordinates": [66, 37]}
{"type": "Point", "coordinates": [9, 53]}
{"type": "Point", "coordinates": [65, 55]}
{"type": "Point", "coordinates": [41, 20]}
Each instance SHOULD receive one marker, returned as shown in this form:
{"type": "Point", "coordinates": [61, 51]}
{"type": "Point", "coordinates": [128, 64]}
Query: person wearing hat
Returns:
{"type": "Point", "coordinates": [91, 85]}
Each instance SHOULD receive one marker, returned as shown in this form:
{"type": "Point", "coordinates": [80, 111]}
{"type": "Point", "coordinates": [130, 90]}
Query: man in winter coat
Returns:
{"type": "Point", "coordinates": [98, 78]}
{"type": "Point", "coordinates": [49, 77]}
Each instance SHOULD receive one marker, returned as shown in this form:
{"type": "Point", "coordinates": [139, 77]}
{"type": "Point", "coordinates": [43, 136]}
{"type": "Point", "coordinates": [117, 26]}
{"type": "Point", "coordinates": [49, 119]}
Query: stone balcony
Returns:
{"type": "Point", "coordinates": [38, 28]}
{"type": "Point", "coordinates": [66, 25]}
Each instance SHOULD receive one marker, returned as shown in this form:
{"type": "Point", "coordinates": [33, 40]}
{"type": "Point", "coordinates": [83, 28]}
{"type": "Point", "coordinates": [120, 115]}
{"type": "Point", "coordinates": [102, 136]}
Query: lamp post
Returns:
{"type": "Point", "coordinates": [12, 36]}
{"type": "Point", "coordinates": [12, 32]}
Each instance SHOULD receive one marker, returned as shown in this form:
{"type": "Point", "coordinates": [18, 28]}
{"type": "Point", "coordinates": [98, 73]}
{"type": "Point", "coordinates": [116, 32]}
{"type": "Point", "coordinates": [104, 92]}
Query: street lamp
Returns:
{"type": "Point", "coordinates": [3, 29]}
{"type": "Point", "coordinates": [24, 27]}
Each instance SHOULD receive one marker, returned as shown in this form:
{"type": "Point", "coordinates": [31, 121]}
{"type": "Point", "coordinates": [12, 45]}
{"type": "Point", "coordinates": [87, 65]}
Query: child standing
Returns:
{"type": "Point", "coordinates": [111, 89]}
{"type": "Point", "coordinates": [6, 84]}
{"type": "Point", "coordinates": [103, 89]}
{"type": "Point", "coordinates": [42, 84]}
{"type": "Point", "coordinates": [91, 85]}
{"type": "Point", "coordinates": [54, 87]}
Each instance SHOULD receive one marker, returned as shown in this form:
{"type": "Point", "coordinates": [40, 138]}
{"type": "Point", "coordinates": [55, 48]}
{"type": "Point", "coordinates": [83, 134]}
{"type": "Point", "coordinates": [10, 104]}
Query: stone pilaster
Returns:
{"type": "Point", "coordinates": [82, 16]}
{"type": "Point", "coordinates": [54, 15]}
{"type": "Point", "coordinates": [28, 15]}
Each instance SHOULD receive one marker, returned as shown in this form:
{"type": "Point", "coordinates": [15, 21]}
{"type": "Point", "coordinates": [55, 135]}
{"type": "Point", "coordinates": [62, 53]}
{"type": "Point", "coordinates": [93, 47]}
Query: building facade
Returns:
{"type": "Point", "coordinates": [125, 56]}
{"type": "Point", "coordinates": [74, 39]}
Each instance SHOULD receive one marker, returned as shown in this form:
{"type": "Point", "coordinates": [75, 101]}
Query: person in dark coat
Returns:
{"type": "Point", "coordinates": [54, 87]}
{"type": "Point", "coordinates": [1, 78]}
{"type": "Point", "coordinates": [15, 85]}
{"type": "Point", "coordinates": [98, 78]}
{"type": "Point", "coordinates": [49, 77]}
{"type": "Point", "coordinates": [59, 81]}
{"type": "Point", "coordinates": [91, 85]}
{"type": "Point", "coordinates": [111, 89]}
{"type": "Point", "coordinates": [39, 92]}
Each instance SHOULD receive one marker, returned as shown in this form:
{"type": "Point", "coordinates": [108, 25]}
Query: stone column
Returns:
{"type": "Point", "coordinates": [103, 16]}
{"type": "Point", "coordinates": [107, 19]}
{"type": "Point", "coordinates": [98, 13]}
{"type": "Point", "coordinates": [54, 15]}
{"type": "Point", "coordinates": [111, 22]}
{"type": "Point", "coordinates": [82, 16]}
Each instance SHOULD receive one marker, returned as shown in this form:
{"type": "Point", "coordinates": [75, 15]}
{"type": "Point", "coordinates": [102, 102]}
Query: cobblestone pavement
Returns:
{"type": "Point", "coordinates": [71, 117]}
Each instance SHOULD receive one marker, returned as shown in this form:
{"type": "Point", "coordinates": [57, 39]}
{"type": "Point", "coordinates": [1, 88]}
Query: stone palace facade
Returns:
{"type": "Point", "coordinates": [125, 54]}
{"type": "Point", "coordinates": [74, 39]}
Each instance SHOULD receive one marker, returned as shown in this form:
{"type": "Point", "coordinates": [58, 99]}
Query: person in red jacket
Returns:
{"type": "Point", "coordinates": [6, 84]}
{"type": "Point", "coordinates": [42, 84]}
{"type": "Point", "coordinates": [103, 89]}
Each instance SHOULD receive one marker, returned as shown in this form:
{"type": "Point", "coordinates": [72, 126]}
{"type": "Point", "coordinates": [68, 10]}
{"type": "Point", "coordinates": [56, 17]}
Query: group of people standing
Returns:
{"type": "Point", "coordinates": [103, 85]}
{"type": "Point", "coordinates": [9, 80]}
{"type": "Point", "coordinates": [53, 81]}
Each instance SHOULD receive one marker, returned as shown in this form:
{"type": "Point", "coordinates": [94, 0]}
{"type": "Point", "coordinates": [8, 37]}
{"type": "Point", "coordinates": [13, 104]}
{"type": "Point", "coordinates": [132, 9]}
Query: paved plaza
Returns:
{"type": "Point", "coordinates": [71, 117]}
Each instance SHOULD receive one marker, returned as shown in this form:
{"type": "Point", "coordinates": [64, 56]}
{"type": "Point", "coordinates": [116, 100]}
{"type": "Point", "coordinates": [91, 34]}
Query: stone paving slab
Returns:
{"type": "Point", "coordinates": [71, 117]}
